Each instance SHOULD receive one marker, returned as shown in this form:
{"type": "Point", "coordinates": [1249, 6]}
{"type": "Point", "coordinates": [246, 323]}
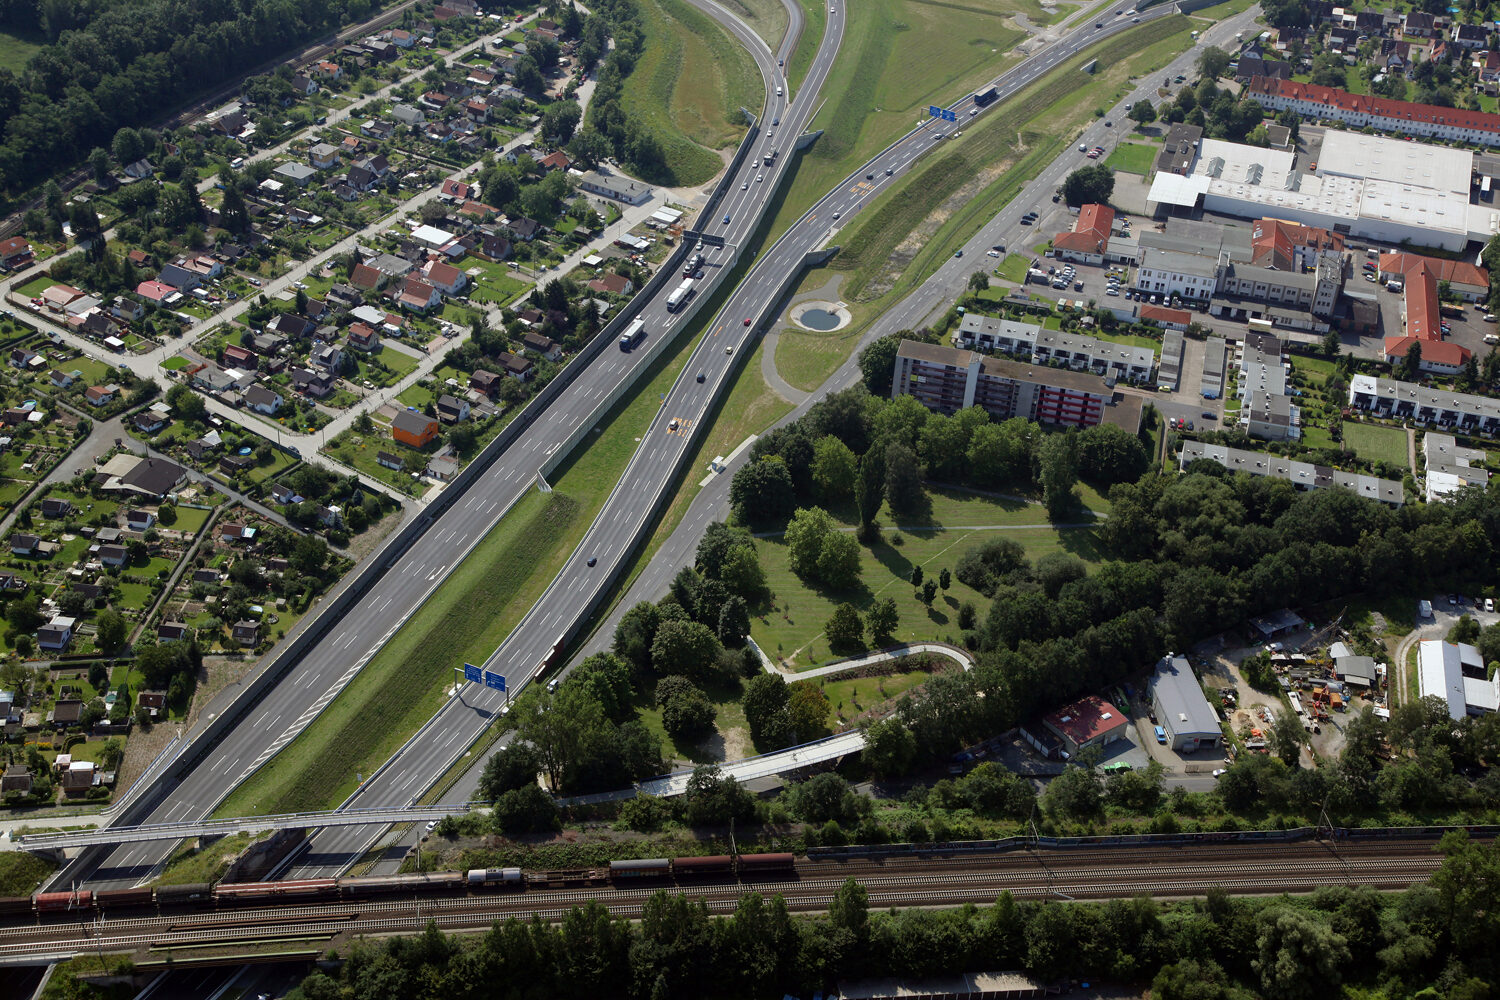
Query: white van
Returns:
{"type": "Point", "coordinates": [778, 91]}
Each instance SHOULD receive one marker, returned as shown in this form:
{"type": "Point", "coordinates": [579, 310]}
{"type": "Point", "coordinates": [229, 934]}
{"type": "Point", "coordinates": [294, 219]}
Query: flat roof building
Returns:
{"type": "Point", "coordinates": [1181, 708]}
{"type": "Point", "coordinates": [1303, 475]}
{"type": "Point", "coordinates": [1444, 409]}
{"type": "Point", "coordinates": [1455, 673]}
{"type": "Point", "coordinates": [1449, 466]}
{"type": "Point", "coordinates": [947, 379]}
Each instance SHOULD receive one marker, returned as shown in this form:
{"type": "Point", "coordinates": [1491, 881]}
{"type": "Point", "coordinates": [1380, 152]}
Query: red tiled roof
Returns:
{"type": "Point", "coordinates": [1085, 719]}
{"type": "Point", "coordinates": [1381, 107]}
{"type": "Point", "coordinates": [1439, 352]}
{"type": "Point", "coordinates": [364, 276]}
{"type": "Point", "coordinates": [1161, 314]}
{"type": "Point", "coordinates": [1090, 231]}
{"type": "Point", "coordinates": [1456, 272]}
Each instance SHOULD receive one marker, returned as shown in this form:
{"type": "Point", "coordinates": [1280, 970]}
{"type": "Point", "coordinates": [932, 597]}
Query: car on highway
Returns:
{"type": "Point", "coordinates": [888, 171]}
{"type": "Point", "coordinates": [700, 376]}
{"type": "Point", "coordinates": [593, 560]}
{"type": "Point", "coordinates": [1025, 220]}
{"type": "Point", "coordinates": [992, 253]}
{"type": "Point", "coordinates": [781, 62]}
{"type": "Point", "coordinates": [959, 252]}
{"type": "Point", "coordinates": [726, 220]}
{"type": "Point", "coordinates": [1098, 24]}
{"type": "Point", "coordinates": [869, 177]}
{"type": "Point", "coordinates": [775, 121]}
{"type": "Point", "coordinates": [728, 348]}
{"type": "Point", "coordinates": [747, 320]}
{"type": "Point", "coordinates": [999, 247]}
{"type": "Point", "coordinates": [973, 112]}
{"type": "Point", "coordinates": [745, 186]}
{"type": "Point", "coordinates": [837, 214]}
{"type": "Point", "coordinates": [1083, 147]}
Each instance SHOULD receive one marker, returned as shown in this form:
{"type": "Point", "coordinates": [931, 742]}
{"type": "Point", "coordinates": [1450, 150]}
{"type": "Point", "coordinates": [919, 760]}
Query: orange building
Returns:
{"type": "Point", "coordinates": [413, 428]}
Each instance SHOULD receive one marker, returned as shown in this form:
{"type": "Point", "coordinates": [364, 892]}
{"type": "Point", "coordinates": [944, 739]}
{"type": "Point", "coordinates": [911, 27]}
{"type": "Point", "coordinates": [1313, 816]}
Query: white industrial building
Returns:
{"type": "Point", "coordinates": [1369, 186]}
{"type": "Point", "coordinates": [1180, 707]}
{"type": "Point", "coordinates": [1455, 672]}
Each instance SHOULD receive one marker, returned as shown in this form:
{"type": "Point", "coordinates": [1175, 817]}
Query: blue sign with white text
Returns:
{"type": "Point", "coordinates": [494, 680]}
{"type": "Point", "coordinates": [472, 673]}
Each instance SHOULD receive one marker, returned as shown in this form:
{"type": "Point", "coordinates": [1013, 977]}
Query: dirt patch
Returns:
{"type": "Point", "coordinates": [141, 749]}
{"type": "Point", "coordinates": [737, 744]}
{"type": "Point", "coordinates": [218, 673]}
{"type": "Point", "coordinates": [367, 541]}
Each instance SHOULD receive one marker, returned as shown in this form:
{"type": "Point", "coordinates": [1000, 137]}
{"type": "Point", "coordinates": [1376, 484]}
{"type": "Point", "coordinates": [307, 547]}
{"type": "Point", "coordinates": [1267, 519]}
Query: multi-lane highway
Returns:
{"type": "Point", "coordinates": [353, 640]}
{"type": "Point", "coordinates": [669, 441]}
{"type": "Point", "coordinates": [589, 572]}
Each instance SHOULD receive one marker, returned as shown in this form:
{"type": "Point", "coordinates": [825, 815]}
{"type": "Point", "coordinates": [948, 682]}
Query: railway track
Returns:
{"type": "Point", "coordinates": [909, 883]}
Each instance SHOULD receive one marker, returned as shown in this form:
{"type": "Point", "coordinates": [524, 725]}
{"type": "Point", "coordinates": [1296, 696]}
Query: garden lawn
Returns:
{"type": "Point", "coordinates": [398, 361]}
{"type": "Point", "coordinates": [190, 520]}
{"type": "Point", "coordinates": [1132, 157]}
{"type": "Point", "coordinates": [1377, 444]}
{"type": "Point", "coordinates": [793, 628]}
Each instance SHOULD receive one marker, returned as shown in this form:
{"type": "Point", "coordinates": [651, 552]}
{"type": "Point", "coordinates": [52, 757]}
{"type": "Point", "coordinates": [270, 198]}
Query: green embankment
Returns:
{"type": "Point", "coordinates": [688, 86]}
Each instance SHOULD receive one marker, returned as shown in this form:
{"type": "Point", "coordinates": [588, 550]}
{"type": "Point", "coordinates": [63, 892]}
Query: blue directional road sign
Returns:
{"type": "Point", "coordinates": [933, 111]}
{"type": "Point", "coordinates": [494, 680]}
{"type": "Point", "coordinates": [472, 673]}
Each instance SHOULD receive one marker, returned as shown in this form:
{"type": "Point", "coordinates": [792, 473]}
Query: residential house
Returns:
{"type": "Point", "coordinates": [157, 293]}
{"type": "Point", "coordinates": [100, 395]}
{"type": "Point", "coordinates": [318, 385]}
{"type": "Point", "coordinates": [304, 85]}
{"type": "Point", "coordinates": [610, 283]}
{"type": "Point", "coordinates": [61, 380]}
{"type": "Point", "coordinates": [1470, 36]}
{"type": "Point", "coordinates": [55, 507]}
{"type": "Point", "coordinates": [443, 468]}
{"type": "Point", "coordinates": [388, 460]}
{"type": "Point", "coordinates": [445, 277]}
{"type": "Point", "coordinates": [126, 309]}
{"type": "Point", "coordinates": [417, 295]}
{"type": "Point", "coordinates": [1088, 243]}
{"type": "Point", "coordinates": [522, 229]}
{"type": "Point", "coordinates": [612, 186]}
{"type": "Point", "coordinates": [239, 357]}
{"type": "Point", "coordinates": [179, 278]}
{"type": "Point", "coordinates": [292, 326]}
{"type": "Point", "coordinates": [171, 631]}
{"type": "Point", "coordinates": [17, 779]}
{"type": "Point", "coordinates": [323, 155]}
{"type": "Point", "coordinates": [21, 358]}
{"type": "Point", "coordinates": [148, 423]}
{"type": "Point", "coordinates": [363, 337]}
{"type": "Point", "coordinates": [328, 70]}
{"type": "Point", "coordinates": [408, 115]}
{"type": "Point", "coordinates": [414, 428]}
{"type": "Point", "coordinates": [516, 367]}
{"type": "Point", "coordinates": [78, 778]}
{"type": "Point", "coordinates": [54, 637]}
{"type": "Point", "coordinates": [452, 411]}
{"type": "Point", "coordinates": [246, 633]}
{"type": "Point", "coordinates": [328, 357]}
{"type": "Point", "coordinates": [263, 400]}
{"type": "Point", "coordinates": [380, 130]}
{"type": "Point", "coordinates": [139, 520]}
{"type": "Point", "coordinates": [114, 555]}
{"type": "Point", "coordinates": [493, 247]}
{"type": "Point", "coordinates": [15, 252]}
{"type": "Point", "coordinates": [543, 345]}
{"type": "Point", "coordinates": [456, 190]}
{"type": "Point", "coordinates": [149, 477]}
{"type": "Point", "coordinates": [477, 110]}
{"type": "Point", "coordinates": [58, 297]}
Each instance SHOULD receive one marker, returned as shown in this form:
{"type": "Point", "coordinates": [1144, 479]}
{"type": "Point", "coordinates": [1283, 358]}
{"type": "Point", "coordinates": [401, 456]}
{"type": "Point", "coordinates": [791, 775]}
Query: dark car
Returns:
{"type": "Point", "coordinates": [775, 122]}
{"type": "Point", "coordinates": [1109, 124]}
{"type": "Point", "coordinates": [700, 376]}
{"type": "Point", "coordinates": [869, 177]}
{"type": "Point", "coordinates": [593, 560]}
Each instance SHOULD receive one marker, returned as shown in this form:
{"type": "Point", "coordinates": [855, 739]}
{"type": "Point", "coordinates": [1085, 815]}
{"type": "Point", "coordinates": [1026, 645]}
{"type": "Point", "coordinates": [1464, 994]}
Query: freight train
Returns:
{"type": "Point", "coordinates": [230, 895]}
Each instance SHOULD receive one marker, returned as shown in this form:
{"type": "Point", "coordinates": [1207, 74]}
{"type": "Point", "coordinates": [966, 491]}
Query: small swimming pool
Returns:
{"type": "Point", "coordinates": [245, 451]}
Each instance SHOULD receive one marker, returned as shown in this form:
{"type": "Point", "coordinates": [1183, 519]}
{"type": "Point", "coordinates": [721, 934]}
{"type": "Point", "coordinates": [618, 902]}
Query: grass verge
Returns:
{"type": "Point", "coordinates": [1132, 157]}
{"type": "Point", "coordinates": [22, 873]}
{"type": "Point", "coordinates": [203, 864]}
{"type": "Point", "coordinates": [688, 86]}
{"type": "Point", "coordinates": [767, 18]}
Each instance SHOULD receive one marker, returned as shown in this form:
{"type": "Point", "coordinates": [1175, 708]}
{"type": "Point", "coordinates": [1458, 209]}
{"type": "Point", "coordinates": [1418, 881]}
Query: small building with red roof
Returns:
{"type": "Point", "coordinates": [1423, 313]}
{"type": "Point", "coordinates": [1089, 721]}
{"type": "Point", "coordinates": [1089, 241]}
{"type": "Point", "coordinates": [157, 293]}
{"type": "Point", "coordinates": [1167, 319]}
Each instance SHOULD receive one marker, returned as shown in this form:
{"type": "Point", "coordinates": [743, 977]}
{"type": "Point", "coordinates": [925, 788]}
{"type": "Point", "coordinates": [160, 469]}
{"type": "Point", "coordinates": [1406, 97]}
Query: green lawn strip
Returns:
{"type": "Point", "coordinates": [687, 84]}
{"type": "Point", "coordinates": [729, 716]}
{"type": "Point", "coordinates": [1014, 268]}
{"type": "Point", "coordinates": [405, 683]}
{"type": "Point", "coordinates": [16, 51]}
{"type": "Point", "coordinates": [1132, 157]}
{"type": "Point", "coordinates": [800, 612]}
{"type": "Point", "coordinates": [1377, 444]}
{"type": "Point", "coordinates": [22, 873]}
{"type": "Point", "coordinates": [192, 864]}
{"type": "Point", "coordinates": [814, 26]}
{"type": "Point", "coordinates": [398, 361]}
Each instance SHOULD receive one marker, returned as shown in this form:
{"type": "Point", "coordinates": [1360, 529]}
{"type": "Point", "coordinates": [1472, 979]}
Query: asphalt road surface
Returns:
{"type": "Point", "coordinates": [352, 641]}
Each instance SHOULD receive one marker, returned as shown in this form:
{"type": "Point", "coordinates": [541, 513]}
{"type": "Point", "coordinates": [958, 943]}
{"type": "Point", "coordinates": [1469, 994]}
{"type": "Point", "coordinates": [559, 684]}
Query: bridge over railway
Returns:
{"type": "Point", "coordinates": [239, 824]}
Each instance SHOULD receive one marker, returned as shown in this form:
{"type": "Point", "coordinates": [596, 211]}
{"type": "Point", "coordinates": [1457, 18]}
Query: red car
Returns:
{"type": "Point", "coordinates": [747, 321]}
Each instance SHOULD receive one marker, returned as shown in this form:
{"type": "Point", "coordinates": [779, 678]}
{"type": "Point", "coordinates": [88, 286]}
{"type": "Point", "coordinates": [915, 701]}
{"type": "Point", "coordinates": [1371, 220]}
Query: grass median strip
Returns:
{"type": "Point", "coordinates": [406, 682]}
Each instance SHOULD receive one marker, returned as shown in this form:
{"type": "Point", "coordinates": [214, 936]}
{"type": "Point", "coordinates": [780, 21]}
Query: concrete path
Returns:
{"type": "Point", "coordinates": [879, 656]}
{"type": "Point", "coordinates": [773, 378]}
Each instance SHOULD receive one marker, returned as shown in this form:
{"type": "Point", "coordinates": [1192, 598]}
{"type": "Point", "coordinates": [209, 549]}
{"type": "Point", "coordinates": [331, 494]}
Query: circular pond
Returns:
{"type": "Point", "coordinates": [821, 316]}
